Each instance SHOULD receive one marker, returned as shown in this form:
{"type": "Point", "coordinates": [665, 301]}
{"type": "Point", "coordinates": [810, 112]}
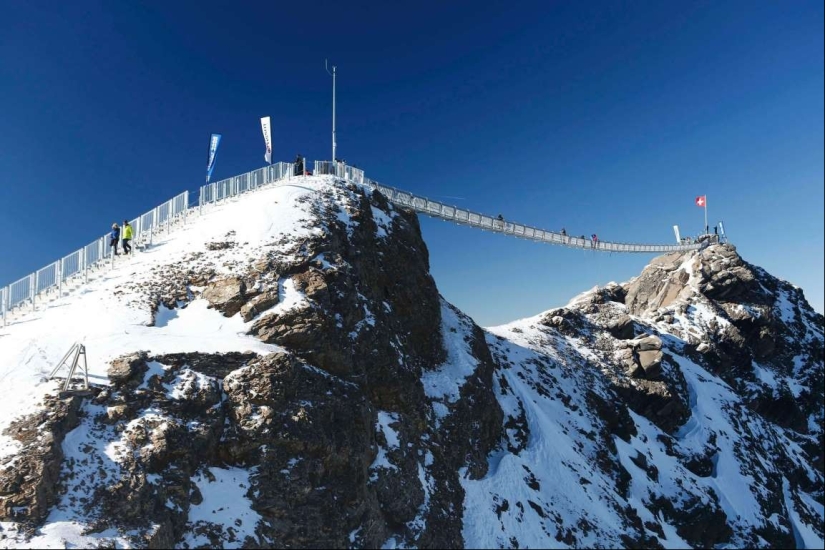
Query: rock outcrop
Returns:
{"type": "Point", "coordinates": [683, 408]}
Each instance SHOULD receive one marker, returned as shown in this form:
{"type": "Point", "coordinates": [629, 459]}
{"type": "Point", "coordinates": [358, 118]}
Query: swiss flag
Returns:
{"type": "Point", "coordinates": [701, 201]}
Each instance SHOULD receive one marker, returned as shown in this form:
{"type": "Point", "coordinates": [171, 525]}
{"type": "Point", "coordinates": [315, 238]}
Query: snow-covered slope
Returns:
{"type": "Point", "coordinates": [692, 459]}
{"type": "Point", "coordinates": [104, 314]}
{"type": "Point", "coordinates": [281, 371]}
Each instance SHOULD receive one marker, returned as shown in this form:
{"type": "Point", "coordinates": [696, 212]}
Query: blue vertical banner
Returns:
{"type": "Point", "coordinates": [213, 153]}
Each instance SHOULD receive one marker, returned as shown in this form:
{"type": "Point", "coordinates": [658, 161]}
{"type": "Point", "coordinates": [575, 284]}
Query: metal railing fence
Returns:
{"type": "Point", "coordinates": [338, 169]}
{"type": "Point", "coordinates": [474, 219]}
{"type": "Point", "coordinates": [236, 185]}
{"type": "Point", "coordinates": [76, 266]}
{"type": "Point", "coordinates": [93, 255]}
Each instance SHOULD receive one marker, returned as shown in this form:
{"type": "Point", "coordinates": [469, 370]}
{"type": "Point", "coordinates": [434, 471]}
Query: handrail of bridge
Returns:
{"type": "Point", "coordinates": [463, 216]}
{"type": "Point", "coordinates": [76, 265]}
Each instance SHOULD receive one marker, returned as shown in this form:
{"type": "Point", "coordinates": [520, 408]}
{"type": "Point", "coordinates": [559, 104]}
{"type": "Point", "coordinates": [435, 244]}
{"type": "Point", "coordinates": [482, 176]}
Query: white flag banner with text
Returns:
{"type": "Point", "coordinates": [214, 141]}
{"type": "Point", "coordinates": [266, 128]}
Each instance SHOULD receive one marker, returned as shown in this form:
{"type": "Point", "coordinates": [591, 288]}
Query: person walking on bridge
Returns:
{"type": "Point", "coordinates": [114, 237]}
{"type": "Point", "coordinates": [594, 240]}
{"type": "Point", "coordinates": [127, 236]}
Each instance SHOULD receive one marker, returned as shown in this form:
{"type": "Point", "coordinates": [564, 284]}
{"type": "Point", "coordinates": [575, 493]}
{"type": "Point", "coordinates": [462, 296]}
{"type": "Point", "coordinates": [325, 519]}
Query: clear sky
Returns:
{"type": "Point", "coordinates": [600, 117]}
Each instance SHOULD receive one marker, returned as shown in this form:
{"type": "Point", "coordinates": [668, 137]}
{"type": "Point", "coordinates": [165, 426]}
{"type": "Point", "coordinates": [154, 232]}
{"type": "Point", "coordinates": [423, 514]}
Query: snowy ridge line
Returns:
{"type": "Point", "coordinates": [75, 267]}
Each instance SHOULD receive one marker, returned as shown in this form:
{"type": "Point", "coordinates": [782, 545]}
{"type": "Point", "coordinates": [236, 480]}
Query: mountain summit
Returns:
{"type": "Point", "coordinates": [282, 372]}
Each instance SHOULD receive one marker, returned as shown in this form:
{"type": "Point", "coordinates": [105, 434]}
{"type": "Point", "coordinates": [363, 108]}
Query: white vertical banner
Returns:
{"type": "Point", "coordinates": [214, 141]}
{"type": "Point", "coordinates": [266, 128]}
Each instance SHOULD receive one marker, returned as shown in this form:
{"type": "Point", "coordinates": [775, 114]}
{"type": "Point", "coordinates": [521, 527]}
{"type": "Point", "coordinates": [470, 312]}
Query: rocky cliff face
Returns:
{"type": "Point", "coordinates": [350, 434]}
{"type": "Point", "coordinates": [702, 382]}
{"type": "Point", "coordinates": [683, 408]}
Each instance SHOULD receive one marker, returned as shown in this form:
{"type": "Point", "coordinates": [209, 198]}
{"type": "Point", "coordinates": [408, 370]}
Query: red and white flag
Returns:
{"type": "Point", "coordinates": [702, 201]}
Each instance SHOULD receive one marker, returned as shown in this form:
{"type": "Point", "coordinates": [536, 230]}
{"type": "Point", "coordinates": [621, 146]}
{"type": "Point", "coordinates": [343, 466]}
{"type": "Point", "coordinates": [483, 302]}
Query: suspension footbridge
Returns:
{"type": "Point", "coordinates": [75, 268]}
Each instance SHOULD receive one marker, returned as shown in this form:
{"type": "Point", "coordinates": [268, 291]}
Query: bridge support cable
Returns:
{"type": "Point", "coordinates": [463, 216]}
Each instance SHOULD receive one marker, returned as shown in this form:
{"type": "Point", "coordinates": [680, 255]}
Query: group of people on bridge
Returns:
{"type": "Point", "coordinates": [594, 239]}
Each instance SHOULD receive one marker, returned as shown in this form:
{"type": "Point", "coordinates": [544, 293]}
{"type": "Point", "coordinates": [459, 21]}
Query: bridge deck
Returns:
{"type": "Point", "coordinates": [473, 219]}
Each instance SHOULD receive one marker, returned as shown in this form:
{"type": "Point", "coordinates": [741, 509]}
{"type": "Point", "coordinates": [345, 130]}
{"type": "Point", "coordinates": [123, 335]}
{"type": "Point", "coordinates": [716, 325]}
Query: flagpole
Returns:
{"type": "Point", "coordinates": [706, 215]}
{"type": "Point", "coordinates": [333, 108]}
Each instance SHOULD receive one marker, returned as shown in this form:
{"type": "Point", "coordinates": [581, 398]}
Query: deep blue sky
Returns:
{"type": "Point", "coordinates": [605, 117]}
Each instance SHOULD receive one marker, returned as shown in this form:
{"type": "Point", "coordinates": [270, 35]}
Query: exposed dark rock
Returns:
{"type": "Point", "coordinates": [129, 368]}
{"type": "Point", "coordinates": [226, 295]}
{"type": "Point", "coordinates": [29, 480]}
{"type": "Point", "coordinates": [259, 304]}
{"type": "Point", "coordinates": [651, 362]}
{"type": "Point", "coordinates": [647, 343]}
{"type": "Point", "coordinates": [621, 328]}
{"type": "Point", "coordinates": [344, 447]}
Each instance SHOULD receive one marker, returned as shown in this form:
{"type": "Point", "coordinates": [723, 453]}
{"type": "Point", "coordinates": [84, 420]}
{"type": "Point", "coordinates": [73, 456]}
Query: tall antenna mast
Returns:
{"type": "Point", "coordinates": [326, 66]}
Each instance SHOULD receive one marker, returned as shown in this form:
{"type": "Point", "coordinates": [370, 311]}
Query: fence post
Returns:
{"type": "Point", "coordinates": [85, 266]}
{"type": "Point", "coordinates": [3, 292]}
{"type": "Point", "coordinates": [60, 277]}
{"type": "Point", "coordinates": [33, 288]}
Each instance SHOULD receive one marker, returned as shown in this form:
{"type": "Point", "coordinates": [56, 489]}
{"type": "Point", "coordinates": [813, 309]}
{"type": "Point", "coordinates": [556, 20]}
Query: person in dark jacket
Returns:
{"type": "Point", "coordinates": [114, 237]}
{"type": "Point", "coordinates": [299, 165]}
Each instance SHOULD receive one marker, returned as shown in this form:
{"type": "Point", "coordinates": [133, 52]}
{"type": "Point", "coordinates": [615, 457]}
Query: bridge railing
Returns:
{"type": "Point", "coordinates": [339, 169]}
{"type": "Point", "coordinates": [92, 256]}
{"type": "Point", "coordinates": [237, 185]}
{"type": "Point", "coordinates": [468, 217]}
{"type": "Point", "coordinates": [76, 266]}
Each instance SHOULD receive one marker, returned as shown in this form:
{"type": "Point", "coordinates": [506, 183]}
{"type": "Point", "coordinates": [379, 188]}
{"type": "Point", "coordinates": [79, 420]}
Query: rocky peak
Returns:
{"type": "Point", "coordinates": [682, 408]}
{"type": "Point", "coordinates": [348, 434]}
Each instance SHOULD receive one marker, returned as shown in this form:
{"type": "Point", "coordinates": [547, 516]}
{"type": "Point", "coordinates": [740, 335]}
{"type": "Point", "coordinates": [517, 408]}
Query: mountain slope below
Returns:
{"type": "Point", "coordinates": [281, 371]}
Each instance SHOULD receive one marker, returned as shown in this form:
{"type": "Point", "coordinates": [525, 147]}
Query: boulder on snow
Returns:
{"type": "Point", "coordinates": [647, 343]}
{"type": "Point", "coordinates": [621, 327]}
{"type": "Point", "coordinates": [226, 295]}
{"type": "Point", "coordinates": [651, 362]}
{"type": "Point", "coordinates": [126, 368]}
{"type": "Point", "coordinates": [259, 304]}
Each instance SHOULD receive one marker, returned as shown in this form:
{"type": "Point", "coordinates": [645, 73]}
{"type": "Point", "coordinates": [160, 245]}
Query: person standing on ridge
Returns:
{"type": "Point", "coordinates": [127, 236]}
{"type": "Point", "coordinates": [299, 165]}
{"type": "Point", "coordinates": [594, 240]}
{"type": "Point", "coordinates": [114, 237]}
